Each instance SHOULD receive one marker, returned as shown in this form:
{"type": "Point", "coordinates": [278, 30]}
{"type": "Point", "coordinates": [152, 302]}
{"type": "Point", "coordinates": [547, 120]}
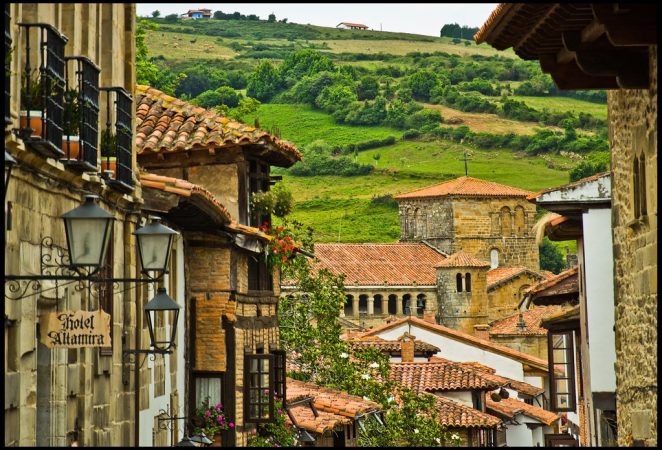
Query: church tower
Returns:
{"type": "Point", "coordinates": [490, 221]}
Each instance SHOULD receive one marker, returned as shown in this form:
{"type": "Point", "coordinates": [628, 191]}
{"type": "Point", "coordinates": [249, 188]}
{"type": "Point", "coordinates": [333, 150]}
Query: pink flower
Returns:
{"type": "Point", "coordinates": [284, 258]}
{"type": "Point", "coordinates": [207, 414]}
{"type": "Point", "coordinates": [280, 411]}
{"type": "Point", "coordinates": [231, 424]}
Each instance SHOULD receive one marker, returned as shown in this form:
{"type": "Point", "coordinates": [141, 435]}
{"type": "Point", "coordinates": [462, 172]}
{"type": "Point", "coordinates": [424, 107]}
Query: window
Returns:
{"type": "Point", "coordinates": [420, 305]}
{"type": "Point", "coordinates": [279, 373]}
{"type": "Point", "coordinates": [519, 221]}
{"type": "Point", "coordinates": [458, 282]}
{"type": "Point", "coordinates": [258, 181]}
{"type": "Point", "coordinates": [506, 226]}
{"type": "Point", "coordinates": [494, 258]}
{"type": "Point", "coordinates": [207, 385]}
{"type": "Point", "coordinates": [116, 141]}
{"type": "Point", "coordinates": [467, 282]}
{"type": "Point", "coordinates": [258, 388]}
{"type": "Point", "coordinates": [349, 305]}
{"type": "Point", "coordinates": [639, 182]}
{"type": "Point", "coordinates": [562, 370]}
{"type": "Point", "coordinates": [259, 275]}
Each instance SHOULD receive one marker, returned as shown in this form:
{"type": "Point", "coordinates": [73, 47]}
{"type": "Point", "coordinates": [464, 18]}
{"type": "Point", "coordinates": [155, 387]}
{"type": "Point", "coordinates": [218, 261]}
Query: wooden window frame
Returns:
{"type": "Point", "coordinates": [248, 358]}
{"type": "Point", "coordinates": [258, 180]}
{"type": "Point", "coordinates": [260, 278]}
{"type": "Point", "coordinates": [280, 374]}
{"type": "Point", "coordinates": [571, 377]}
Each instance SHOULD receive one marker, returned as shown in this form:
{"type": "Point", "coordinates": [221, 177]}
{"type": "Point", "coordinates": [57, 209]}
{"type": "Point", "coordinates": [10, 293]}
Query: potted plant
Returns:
{"type": "Point", "coordinates": [108, 151]}
{"type": "Point", "coordinates": [32, 86]}
{"type": "Point", "coordinates": [211, 420]}
{"type": "Point", "coordinates": [71, 126]}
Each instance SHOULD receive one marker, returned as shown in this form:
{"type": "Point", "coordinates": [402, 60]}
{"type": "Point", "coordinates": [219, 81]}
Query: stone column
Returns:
{"type": "Point", "coordinates": [398, 305]}
{"type": "Point", "coordinates": [385, 305]}
{"type": "Point", "coordinates": [355, 306]}
{"type": "Point", "coordinates": [371, 305]}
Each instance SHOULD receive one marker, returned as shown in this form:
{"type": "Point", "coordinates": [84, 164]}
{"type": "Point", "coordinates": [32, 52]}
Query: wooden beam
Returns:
{"type": "Point", "coordinates": [628, 24]}
{"type": "Point", "coordinates": [570, 76]}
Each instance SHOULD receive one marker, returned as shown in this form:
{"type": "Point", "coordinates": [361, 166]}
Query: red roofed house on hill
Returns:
{"type": "Point", "coordinates": [351, 26]}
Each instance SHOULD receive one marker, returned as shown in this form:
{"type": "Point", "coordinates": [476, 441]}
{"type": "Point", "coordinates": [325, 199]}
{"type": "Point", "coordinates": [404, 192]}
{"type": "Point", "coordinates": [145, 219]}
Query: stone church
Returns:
{"type": "Point", "coordinates": [466, 254]}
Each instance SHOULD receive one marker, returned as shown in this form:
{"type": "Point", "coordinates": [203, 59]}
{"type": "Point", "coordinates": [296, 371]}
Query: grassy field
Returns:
{"type": "Point", "coordinates": [176, 46]}
{"type": "Point", "coordinates": [301, 125]}
{"type": "Point", "coordinates": [399, 47]}
{"type": "Point", "coordinates": [486, 123]}
{"type": "Point", "coordinates": [561, 104]}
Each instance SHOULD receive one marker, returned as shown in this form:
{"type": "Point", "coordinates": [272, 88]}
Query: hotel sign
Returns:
{"type": "Point", "coordinates": [75, 329]}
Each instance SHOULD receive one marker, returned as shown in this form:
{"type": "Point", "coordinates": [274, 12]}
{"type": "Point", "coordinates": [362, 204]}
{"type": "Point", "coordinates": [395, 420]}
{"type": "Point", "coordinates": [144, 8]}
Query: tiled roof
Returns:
{"type": "Point", "coordinates": [462, 259]}
{"type": "Point", "coordinates": [249, 231]}
{"type": "Point", "coordinates": [379, 264]}
{"type": "Point", "coordinates": [437, 375]}
{"type": "Point", "coordinates": [510, 407]}
{"type": "Point", "coordinates": [349, 24]}
{"type": "Point", "coordinates": [568, 315]}
{"type": "Point", "coordinates": [550, 282]}
{"type": "Point", "coordinates": [454, 414]}
{"type": "Point", "coordinates": [519, 386]}
{"type": "Point", "coordinates": [166, 125]}
{"type": "Point", "coordinates": [570, 185]}
{"type": "Point", "coordinates": [183, 188]}
{"type": "Point", "coordinates": [390, 346]}
{"type": "Point", "coordinates": [467, 338]}
{"type": "Point", "coordinates": [491, 22]}
{"type": "Point", "coordinates": [330, 400]}
{"type": "Point", "coordinates": [531, 317]}
{"type": "Point", "coordinates": [466, 186]}
{"type": "Point", "coordinates": [500, 274]}
{"type": "Point", "coordinates": [325, 421]}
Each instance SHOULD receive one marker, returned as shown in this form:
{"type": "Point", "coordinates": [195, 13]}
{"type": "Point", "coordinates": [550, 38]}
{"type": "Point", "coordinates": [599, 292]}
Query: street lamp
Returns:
{"type": "Point", "coordinates": [154, 243]}
{"type": "Point", "coordinates": [201, 438]}
{"type": "Point", "coordinates": [306, 437]}
{"type": "Point", "coordinates": [161, 304]}
{"type": "Point", "coordinates": [185, 442]}
{"type": "Point", "coordinates": [88, 231]}
{"type": "Point", "coordinates": [9, 163]}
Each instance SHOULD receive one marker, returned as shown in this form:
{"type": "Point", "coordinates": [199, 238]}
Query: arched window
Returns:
{"type": "Point", "coordinates": [494, 258]}
{"type": "Point", "coordinates": [349, 301]}
{"type": "Point", "coordinates": [406, 304]}
{"type": "Point", "coordinates": [411, 223]}
{"type": "Point", "coordinates": [392, 304]}
{"type": "Point", "coordinates": [519, 221]}
{"type": "Point", "coordinates": [420, 224]}
{"type": "Point", "coordinates": [506, 225]}
{"type": "Point", "coordinates": [404, 221]}
{"type": "Point", "coordinates": [418, 218]}
{"type": "Point", "coordinates": [420, 305]}
{"type": "Point", "coordinates": [639, 184]}
{"type": "Point", "coordinates": [377, 306]}
{"type": "Point", "coordinates": [363, 304]}
{"type": "Point", "coordinates": [458, 282]}
{"type": "Point", "coordinates": [467, 282]}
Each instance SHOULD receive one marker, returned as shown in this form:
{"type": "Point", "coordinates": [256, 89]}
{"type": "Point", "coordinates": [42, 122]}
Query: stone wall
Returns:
{"type": "Point", "coordinates": [633, 129]}
{"type": "Point", "coordinates": [504, 298]}
{"type": "Point", "coordinates": [462, 310]}
{"type": "Point", "coordinates": [430, 220]}
{"type": "Point", "coordinates": [534, 345]}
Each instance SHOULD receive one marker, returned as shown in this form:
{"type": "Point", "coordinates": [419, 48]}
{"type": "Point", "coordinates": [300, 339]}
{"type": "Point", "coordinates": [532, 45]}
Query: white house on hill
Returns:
{"type": "Point", "coordinates": [351, 26]}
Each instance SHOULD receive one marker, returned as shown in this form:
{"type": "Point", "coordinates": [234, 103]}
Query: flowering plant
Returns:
{"type": "Point", "coordinates": [281, 247]}
{"type": "Point", "coordinates": [278, 433]}
{"type": "Point", "coordinates": [213, 418]}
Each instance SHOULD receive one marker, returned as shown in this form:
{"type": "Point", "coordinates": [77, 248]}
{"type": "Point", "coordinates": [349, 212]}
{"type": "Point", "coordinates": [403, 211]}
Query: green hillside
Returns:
{"type": "Point", "coordinates": [380, 104]}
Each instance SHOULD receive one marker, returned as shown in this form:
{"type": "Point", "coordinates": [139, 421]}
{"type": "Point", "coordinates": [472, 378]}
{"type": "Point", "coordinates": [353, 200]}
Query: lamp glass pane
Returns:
{"type": "Point", "coordinates": [86, 241]}
{"type": "Point", "coordinates": [154, 251]}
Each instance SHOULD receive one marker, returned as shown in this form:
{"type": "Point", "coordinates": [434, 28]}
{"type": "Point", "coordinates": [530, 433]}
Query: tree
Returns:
{"type": "Point", "coordinates": [421, 83]}
{"type": "Point", "coordinates": [156, 13]}
{"type": "Point", "coordinates": [368, 88]}
{"type": "Point", "coordinates": [551, 257]}
{"type": "Point", "coordinates": [264, 82]}
{"type": "Point", "coordinates": [272, 18]}
{"type": "Point", "coordinates": [305, 62]}
{"type": "Point", "coordinates": [596, 162]}
{"type": "Point", "coordinates": [246, 107]}
{"type": "Point", "coordinates": [171, 18]}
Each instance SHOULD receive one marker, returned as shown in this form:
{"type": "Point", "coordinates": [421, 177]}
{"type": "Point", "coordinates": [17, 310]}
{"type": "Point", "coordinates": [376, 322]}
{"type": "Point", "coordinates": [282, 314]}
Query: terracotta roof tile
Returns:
{"type": "Point", "coordinates": [550, 282]}
{"type": "Point", "coordinates": [498, 275]}
{"type": "Point", "coordinates": [454, 414]}
{"type": "Point", "coordinates": [531, 317]}
{"type": "Point", "coordinates": [184, 189]}
{"type": "Point", "coordinates": [510, 407]}
{"type": "Point", "coordinates": [325, 421]}
{"type": "Point", "coordinates": [390, 346]}
{"type": "Point", "coordinates": [330, 400]}
{"type": "Point", "coordinates": [533, 361]}
{"type": "Point", "coordinates": [491, 22]}
{"type": "Point", "coordinates": [166, 124]}
{"type": "Point", "coordinates": [379, 264]}
{"type": "Point", "coordinates": [440, 375]}
{"type": "Point", "coordinates": [466, 186]}
{"type": "Point", "coordinates": [462, 259]}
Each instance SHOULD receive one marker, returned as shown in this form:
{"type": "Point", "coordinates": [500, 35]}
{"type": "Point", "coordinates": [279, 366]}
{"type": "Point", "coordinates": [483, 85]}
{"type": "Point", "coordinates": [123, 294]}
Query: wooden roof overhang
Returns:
{"type": "Point", "coordinates": [581, 45]}
{"type": "Point", "coordinates": [565, 228]}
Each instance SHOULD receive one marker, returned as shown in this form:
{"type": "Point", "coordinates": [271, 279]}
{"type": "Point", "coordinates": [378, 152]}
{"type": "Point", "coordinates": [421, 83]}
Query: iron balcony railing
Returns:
{"type": "Point", "coordinates": [117, 139]}
{"type": "Point", "coordinates": [42, 90]}
{"type": "Point", "coordinates": [81, 114]}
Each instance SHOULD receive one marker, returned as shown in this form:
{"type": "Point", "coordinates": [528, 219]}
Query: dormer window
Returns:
{"type": "Point", "coordinates": [258, 181]}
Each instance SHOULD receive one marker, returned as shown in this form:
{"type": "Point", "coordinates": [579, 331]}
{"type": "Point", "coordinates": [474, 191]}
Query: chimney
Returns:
{"type": "Point", "coordinates": [481, 330]}
{"type": "Point", "coordinates": [407, 347]}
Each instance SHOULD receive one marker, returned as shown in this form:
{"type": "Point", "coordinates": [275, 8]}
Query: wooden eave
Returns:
{"type": "Point", "coordinates": [188, 213]}
{"type": "Point", "coordinates": [581, 45]}
{"type": "Point", "coordinates": [565, 230]}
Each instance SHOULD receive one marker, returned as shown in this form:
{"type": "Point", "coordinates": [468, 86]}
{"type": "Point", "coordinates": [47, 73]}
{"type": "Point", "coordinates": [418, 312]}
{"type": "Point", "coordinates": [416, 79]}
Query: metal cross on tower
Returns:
{"type": "Point", "coordinates": [465, 159]}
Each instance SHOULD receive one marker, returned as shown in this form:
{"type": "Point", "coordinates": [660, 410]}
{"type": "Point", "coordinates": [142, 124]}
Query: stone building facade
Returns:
{"type": "Point", "coordinates": [60, 396]}
{"type": "Point", "coordinates": [633, 143]}
{"type": "Point", "coordinates": [491, 221]}
{"type": "Point", "coordinates": [231, 294]}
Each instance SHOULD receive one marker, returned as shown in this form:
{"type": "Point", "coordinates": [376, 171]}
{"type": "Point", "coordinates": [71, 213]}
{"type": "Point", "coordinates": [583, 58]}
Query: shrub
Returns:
{"type": "Point", "coordinates": [424, 117]}
{"type": "Point", "coordinates": [421, 83]}
{"type": "Point", "coordinates": [264, 82]}
{"type": "Point", "coordinates": [595, 163]}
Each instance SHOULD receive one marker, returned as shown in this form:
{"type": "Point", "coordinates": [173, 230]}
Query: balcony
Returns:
{"type": "Point", "coordinates": [42, 89]}
{"type": "Point", "coordinates": [81, 114]}
{"type": "Point", "coordinates": [117, 139]}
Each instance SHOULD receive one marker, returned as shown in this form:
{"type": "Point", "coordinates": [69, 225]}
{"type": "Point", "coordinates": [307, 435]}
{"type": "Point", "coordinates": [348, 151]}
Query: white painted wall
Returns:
{"type": "Point", "coordinates": [463, 397]}
{"type": "Point", "coordinates": [162, 402]}
{"type": "Point", "coordinates": [598, 269]}
{"type": "Point", "coordinates": [519, 435]}
{"type": "Point", "coordinates": [456, 350]}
